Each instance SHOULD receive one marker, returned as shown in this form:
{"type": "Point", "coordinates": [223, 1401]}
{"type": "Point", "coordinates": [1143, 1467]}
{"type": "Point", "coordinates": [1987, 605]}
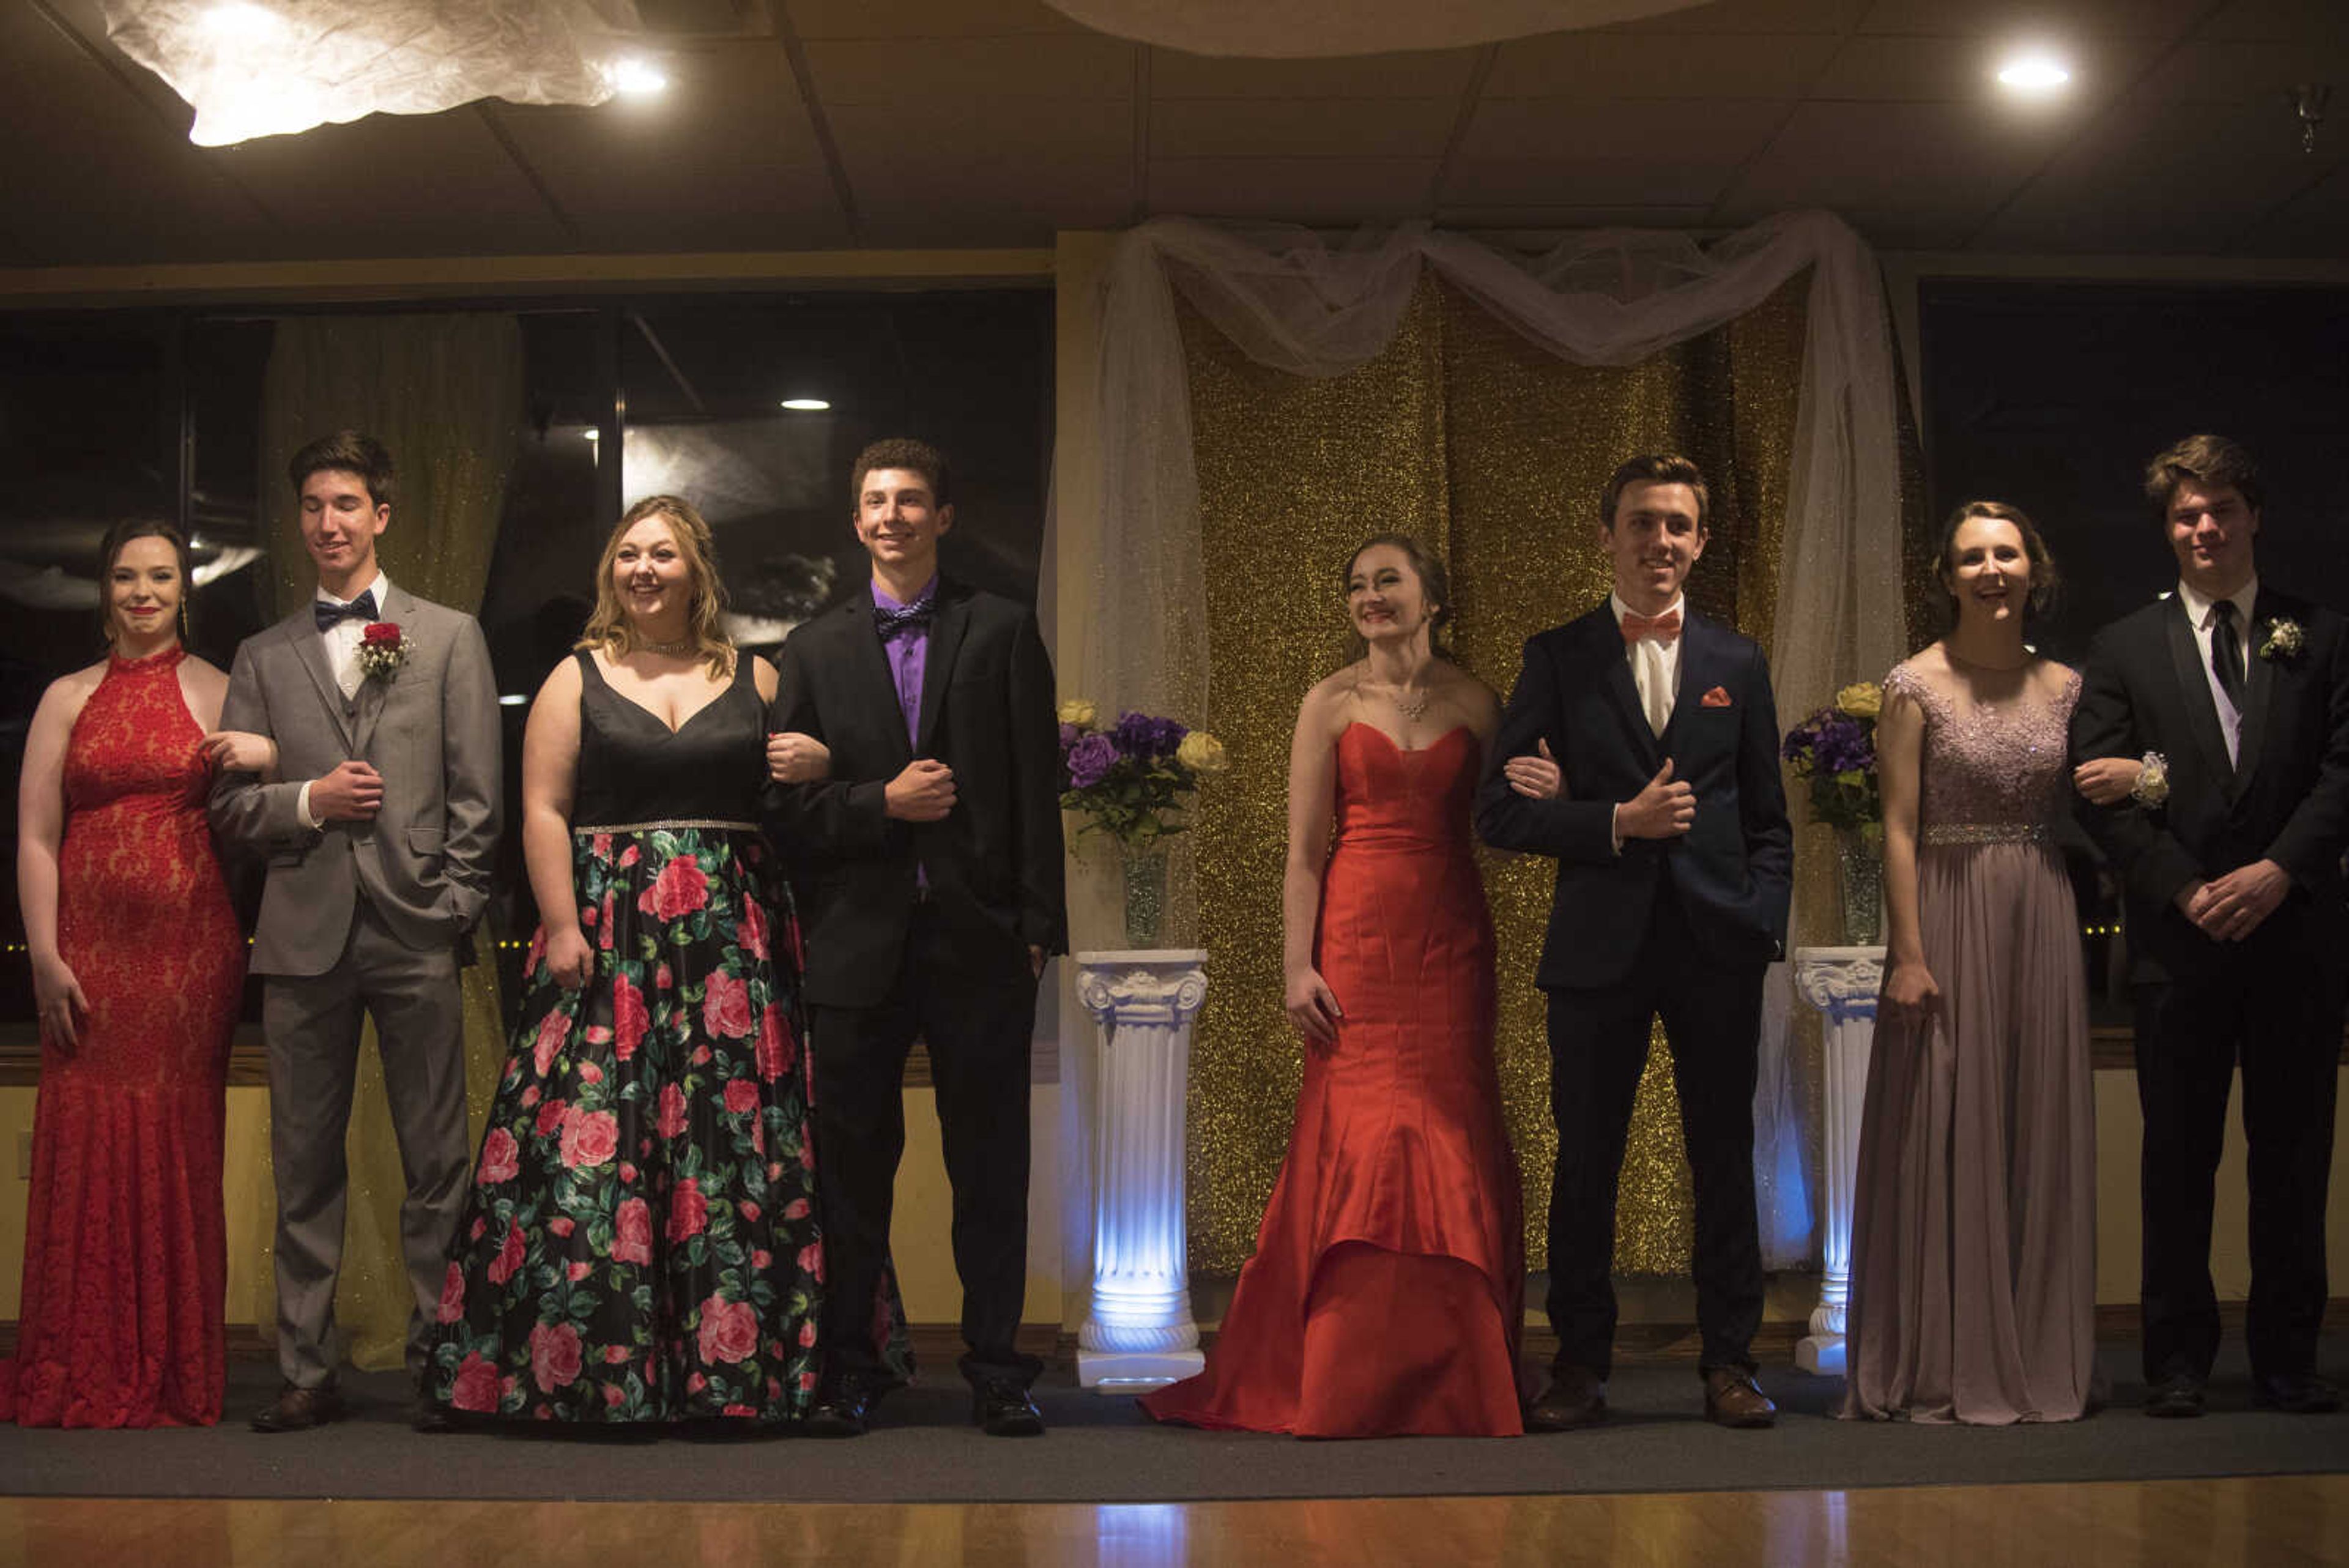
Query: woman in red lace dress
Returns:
{"type": "Point", "coordinates": [137, 966]}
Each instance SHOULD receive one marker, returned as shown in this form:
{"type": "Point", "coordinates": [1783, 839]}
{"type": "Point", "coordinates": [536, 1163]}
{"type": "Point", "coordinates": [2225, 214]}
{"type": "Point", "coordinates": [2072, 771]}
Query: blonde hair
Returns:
{"type": "Point", "coordinates": [609, 627]}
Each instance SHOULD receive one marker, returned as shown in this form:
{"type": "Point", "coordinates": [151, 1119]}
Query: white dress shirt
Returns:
{"type": "Point", "coordinates": [341, 642]}
{"type": "Point", "coordinates": [2201, 614]}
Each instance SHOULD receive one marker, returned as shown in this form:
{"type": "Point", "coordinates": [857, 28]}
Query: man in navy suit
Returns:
{"type": "Point", "coordinates": [2233, 900]}
{"type": "Point", "coordinates": [1674, 866]}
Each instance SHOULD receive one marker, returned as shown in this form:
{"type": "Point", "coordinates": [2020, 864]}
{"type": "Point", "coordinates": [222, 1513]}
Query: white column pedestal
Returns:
{"type": "Point", "coordinates": [1138, 1332]}
{"type": "Point", "coordinates": [1842, 983]}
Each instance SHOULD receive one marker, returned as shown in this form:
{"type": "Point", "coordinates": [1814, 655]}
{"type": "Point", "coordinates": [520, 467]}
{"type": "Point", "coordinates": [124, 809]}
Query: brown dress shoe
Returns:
{"type": "Point", "coordinates": [1574, 1398]}
{"type": "Point", "coordinates": [299, 1410]}
{"type": "Point", "coordinates": [1732, 1399]}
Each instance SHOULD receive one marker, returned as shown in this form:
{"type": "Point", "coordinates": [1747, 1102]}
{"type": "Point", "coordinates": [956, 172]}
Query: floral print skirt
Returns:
{"type": "Point", "coordinates": [640, 1242]}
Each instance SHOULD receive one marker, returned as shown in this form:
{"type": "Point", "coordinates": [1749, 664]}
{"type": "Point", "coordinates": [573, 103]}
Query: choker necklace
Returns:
{"type": "Point", "coordinates": [682, 645]}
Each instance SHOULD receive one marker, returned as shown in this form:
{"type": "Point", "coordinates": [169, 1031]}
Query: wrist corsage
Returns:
{"type": "Point", "coordinates": [382, 649]}
{"type": "Point", "coordinates": [2152, 780]}
{"type": "Point", "coordinates": [2284, 639]}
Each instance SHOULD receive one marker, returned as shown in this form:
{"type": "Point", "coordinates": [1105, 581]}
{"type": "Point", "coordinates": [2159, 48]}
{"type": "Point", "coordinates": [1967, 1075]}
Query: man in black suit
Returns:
{"type": "Point", "coordinates": [2233, 906]}
{"type": "Point", "coordinates": [928, 869]}
{"type": "Point", "coordinates": [1674, 862]}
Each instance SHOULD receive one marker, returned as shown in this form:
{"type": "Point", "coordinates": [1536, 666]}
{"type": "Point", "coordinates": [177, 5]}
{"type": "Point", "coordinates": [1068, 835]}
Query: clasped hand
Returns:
{"type": "Point", "coordinates": [2228, 908]}
{"type": "Point", "coordinates": [795, 758]}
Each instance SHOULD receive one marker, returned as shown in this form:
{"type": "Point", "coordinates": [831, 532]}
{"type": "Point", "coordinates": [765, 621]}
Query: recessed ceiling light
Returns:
{"type": "Point", "coordinates": [632, 75]}
{"type": "Point", "coordinates": [807, 405]}
{"type": "Point", "coordinates": [2034, 74]}
{"type": "Point", "coordinates": [243, 22]}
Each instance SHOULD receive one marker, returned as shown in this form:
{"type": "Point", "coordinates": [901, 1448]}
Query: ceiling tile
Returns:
{"type": "Point", "coordinates": [1627, 66]}
{"type": "Point", "coordinates": [2311, 20]}
{"type": "Point", "coordinates": [2314, 223]}
{"type": "Point", "coordinates": [1940, 165]}
{"type": "Point", "coordinates": [1329, 191]}
{"type": "Point", "coordinates": [1070, 66]}
{"type": "Point", "coordinates": [1679, 144]}
{"type": "Point", "coordinates": [2249, 72]}
{"type": "Point", "coordinates": [1440, 74]}
{"type": "Point", "coordinates": [2151, 179]}
{"type": "Point", "coordinates": [1302, 128]}
{"type": "Point", "coordinates": [95, 176]}
{"type": "Point", "coordinates": [1531, 220]}
{"type": "Point", "coordinates": [1755, 17]}
{"type": "Point", "coordinates": [436, 185]}
{"type": "Point", "coordinates": [1913, 69]}
{"type": "Point", "coordinates": [725, 160]}
{"type": "Point", "coordinates": [2024, 20]}
{"type": "Point", "coordinates": [1010, 162]}
{"type": "Point", "coordinates": [920, 21]}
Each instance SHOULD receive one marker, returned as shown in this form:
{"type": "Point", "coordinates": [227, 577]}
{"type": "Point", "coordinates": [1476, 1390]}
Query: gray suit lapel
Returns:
{"type": "Point", "coordinates": [310, 649]}
{"type": "Point", "coordinates": [2193, 691]}
{"type": "Point", "coordinates": [400, 608]}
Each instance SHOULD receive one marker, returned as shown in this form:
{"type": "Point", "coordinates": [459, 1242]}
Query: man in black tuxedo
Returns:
{"type": "Point", "coordinates": [929, 876]}
{"type": "Point", "coordinates": [2233, 906]}
{"type": "Point", "coordinates": [1674, 865]}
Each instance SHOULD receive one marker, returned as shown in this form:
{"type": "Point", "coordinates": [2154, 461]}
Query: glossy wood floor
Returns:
{"type": "Point", "coordinates": [2270, 1521]}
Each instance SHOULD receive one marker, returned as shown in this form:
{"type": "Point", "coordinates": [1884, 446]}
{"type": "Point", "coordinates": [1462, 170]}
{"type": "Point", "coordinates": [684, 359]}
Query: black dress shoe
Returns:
{"type": "Point", "coordinates": [1576, 1397]}
{"type": "Point", "coordinates": [299, 1410]}
{"type": "Point", "coordinates": [2296, 1394]}
{"type": "Point", "coordinates": [1001, 1409]}
{"type": "Point", "coordinates": [2177, 1397]}
{"type": "Point", "coordinates": [844, 1410]}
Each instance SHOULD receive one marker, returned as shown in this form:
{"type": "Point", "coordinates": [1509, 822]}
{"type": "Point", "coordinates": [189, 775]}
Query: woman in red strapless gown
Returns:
{"type": "Point", "coordinates": [1388, 1285]}
{"type": "Point", "coordinates": [136, 967]}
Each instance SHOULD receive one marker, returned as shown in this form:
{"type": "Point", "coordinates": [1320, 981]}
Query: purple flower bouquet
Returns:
{"type": "Point", "coordinates": [1835, 749]}
{"type": "Point", "coordinates": [1131, 779]}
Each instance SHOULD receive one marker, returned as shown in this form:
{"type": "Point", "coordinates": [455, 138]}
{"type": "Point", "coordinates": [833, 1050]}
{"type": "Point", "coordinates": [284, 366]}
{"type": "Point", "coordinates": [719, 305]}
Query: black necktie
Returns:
{"type": "Point", "coordinates": [2226, 653]}
{"type": "Point", "coordinates": [328, 615]}
{"type": "Point", "coordinates": [913, 618]}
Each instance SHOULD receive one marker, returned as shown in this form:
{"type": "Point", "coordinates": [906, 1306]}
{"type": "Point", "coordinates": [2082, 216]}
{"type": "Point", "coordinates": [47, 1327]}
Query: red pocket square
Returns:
{"type": "Point", "coordinates": [1717, 697]}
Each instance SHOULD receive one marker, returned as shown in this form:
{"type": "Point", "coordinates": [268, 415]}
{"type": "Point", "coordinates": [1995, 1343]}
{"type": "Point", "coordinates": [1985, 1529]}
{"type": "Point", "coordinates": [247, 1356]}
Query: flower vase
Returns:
{"type": "Point", "coordinates": [1859, 882]}
{"type": "Point", "coordinates": [1145, 896]}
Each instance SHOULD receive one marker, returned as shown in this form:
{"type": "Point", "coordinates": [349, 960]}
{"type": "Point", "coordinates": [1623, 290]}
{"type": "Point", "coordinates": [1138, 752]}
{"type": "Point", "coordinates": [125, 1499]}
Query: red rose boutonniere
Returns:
{"type": "Point", "coordinates": [382, 649]}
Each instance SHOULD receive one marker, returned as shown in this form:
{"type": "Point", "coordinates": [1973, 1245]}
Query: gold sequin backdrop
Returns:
{"type": "Point", "coordinates": [1494, 451]}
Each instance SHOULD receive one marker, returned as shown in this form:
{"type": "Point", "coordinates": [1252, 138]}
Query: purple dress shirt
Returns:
{"type": "Point", "coordinates": [908, 654]}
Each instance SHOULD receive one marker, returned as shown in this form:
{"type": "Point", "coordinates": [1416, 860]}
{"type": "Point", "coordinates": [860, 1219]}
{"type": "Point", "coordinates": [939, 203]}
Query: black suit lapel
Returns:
{"type": "Point", "coordinates": [946, 629]}
{"type": "Point", "coordinates": [2257, 687]}
{"type": "Point", "coordinates": [2193, 691]}
{"type": "Point", "coordinates": [311, 650]}
{"type": "Point", "coordinates": [873, 689]}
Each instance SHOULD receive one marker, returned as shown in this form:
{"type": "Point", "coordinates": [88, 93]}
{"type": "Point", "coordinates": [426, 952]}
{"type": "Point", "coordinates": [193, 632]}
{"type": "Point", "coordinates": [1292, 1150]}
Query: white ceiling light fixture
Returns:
{"type": "Point", "coordinates": [2034, 73]}
{"type": "Point", "coordinates": [633, 76]}
{"type": "Point", "coordinates": [273, 68]}
{"type": "Point", "coordinates": [807, 405]}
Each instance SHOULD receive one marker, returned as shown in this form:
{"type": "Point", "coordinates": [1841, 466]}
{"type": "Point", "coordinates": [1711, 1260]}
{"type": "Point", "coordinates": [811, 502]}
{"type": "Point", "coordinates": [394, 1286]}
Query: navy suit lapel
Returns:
{"type": "Point", "coordinates": [1605, 646]}
{"type": "Point", "coordinates": [1699, 672]}
{"type": "Point", "coordinates": [868, 671]}
{"type": "Point", "coordinates": [947, 628]}
{"type": "Point", "coordinates": [2194, 693]}
{"type": "Point", "coordinates": [310, 651]}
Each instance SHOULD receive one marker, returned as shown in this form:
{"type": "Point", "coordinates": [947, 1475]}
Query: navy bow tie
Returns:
{"type": "Point", "coordinates": [913, 618]}
{"type": "Point", "coordinates": [362, 606]}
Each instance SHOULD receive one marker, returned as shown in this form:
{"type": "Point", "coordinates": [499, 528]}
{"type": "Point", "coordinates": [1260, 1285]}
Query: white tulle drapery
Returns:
{"type": "Point", "coordinates": [1296, 29]}
{"type": "Point", "coordinates": [271, 67]}
{"type": "Point", "coordinates": [1292, 302]}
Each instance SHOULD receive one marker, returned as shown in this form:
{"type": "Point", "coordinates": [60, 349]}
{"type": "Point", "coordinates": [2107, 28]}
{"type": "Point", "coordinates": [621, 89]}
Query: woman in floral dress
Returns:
{"type": "Point", "coordinates": [640, 1244]}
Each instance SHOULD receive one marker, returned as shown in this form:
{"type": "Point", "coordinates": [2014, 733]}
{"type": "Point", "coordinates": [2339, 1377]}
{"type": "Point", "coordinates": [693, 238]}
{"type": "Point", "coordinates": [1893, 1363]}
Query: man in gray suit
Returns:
{"type": "Point", "coordinates": [378, 830]}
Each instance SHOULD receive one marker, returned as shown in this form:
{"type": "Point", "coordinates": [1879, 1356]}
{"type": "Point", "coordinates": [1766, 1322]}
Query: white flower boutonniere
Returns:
{"type": "Point", "coordinates": [2152, 780]}
{"type": "Point", "coordinates": [2284, 639]}
{"type": "Point", "coordinates": [382, 649]}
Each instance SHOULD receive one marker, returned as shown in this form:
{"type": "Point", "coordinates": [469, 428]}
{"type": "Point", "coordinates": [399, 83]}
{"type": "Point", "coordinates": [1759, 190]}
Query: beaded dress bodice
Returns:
{"type": "Point", "coordinates": [1990, 768]}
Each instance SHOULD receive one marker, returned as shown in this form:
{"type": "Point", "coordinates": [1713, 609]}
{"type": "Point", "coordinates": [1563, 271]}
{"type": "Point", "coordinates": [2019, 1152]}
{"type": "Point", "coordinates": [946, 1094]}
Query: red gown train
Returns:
{"type": "Point", "coordinates": [125, 1251]}
{"type": "Point", "coordinates": [1388, 1285]}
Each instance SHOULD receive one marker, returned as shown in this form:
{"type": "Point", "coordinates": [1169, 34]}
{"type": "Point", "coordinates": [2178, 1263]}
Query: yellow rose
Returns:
{"type": "Point", "coordinates": [1861, 700]}
{"type": "Point", "coordinates": [1078, 711]}
{"type": "Point", "coordinates": [1202, 753]}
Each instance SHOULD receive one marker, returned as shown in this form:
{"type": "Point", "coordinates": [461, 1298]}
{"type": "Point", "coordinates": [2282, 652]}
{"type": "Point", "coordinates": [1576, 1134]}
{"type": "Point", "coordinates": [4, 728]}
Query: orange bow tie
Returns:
{"type": "Point", "coordinates": [1664, 627]}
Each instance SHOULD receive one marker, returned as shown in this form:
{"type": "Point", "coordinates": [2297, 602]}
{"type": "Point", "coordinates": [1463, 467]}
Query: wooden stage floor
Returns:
{"type": "Point", "coordinates": [2269, 1521]}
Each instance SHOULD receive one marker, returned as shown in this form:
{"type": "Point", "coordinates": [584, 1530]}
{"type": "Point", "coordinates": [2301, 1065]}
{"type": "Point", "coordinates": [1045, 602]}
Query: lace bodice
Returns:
{"type": "Point", "coordinates": [2000, 765]}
